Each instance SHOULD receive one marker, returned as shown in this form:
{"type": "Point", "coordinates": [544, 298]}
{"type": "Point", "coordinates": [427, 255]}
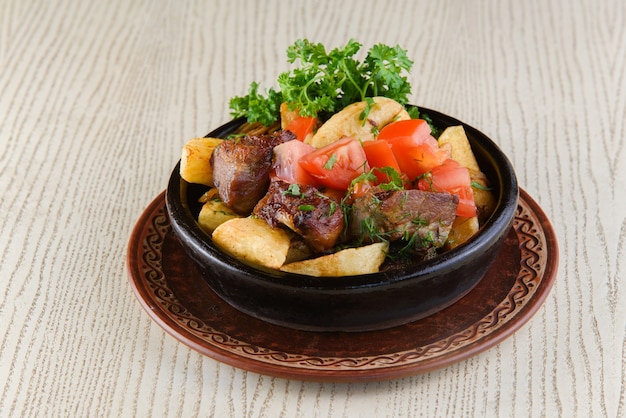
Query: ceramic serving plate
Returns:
{"type": "Point", "coordinates": [174, 294]}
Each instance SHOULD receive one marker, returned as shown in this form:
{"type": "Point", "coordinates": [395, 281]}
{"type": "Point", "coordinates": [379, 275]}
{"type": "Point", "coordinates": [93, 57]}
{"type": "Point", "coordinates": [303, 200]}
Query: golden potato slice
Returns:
{"type": "Point", "coordinates": [483, 197]}
{"type": "Point", "coordinates": [211, 194]}
{"type": "Point", "coordinates": [195, 160]}
{"type": "Point", "coordinates": [347, 122]}
{"type": "Point", "coordinates": [287, 116]}
{"type": "Point", "coordinates": [351, 261]}
{"type": "Point", "coordinates": [462, 230]}
{"type": "Point", "coordinates": [460, 146]}
{"type": "Point", "coordinates": [253, 241]}
{"type": "Point", "coordinates": [213, 214]}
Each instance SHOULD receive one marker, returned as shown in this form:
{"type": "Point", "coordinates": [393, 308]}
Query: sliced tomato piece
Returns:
{"type": "Point", "coordinates": [286, 166]}
{"type": "Point", "coordinates": [302, 126]}
{"type": "Point", "coordinates": [415, 149]}
{"type": "Point", "coordinates": [380, 155]}
{"type": "Point", "coordinates": [336, 164]}
{"type": "Point", "coordinates": [467, 205]}
{"type": "Point", "coordinates": [453, 178]}
{"type": "Point", "coordinates": [415, 128]}
{"type": "Point", "coordinates": [416, 158]}
{"type": "Point", "coordinates": [448, 176]}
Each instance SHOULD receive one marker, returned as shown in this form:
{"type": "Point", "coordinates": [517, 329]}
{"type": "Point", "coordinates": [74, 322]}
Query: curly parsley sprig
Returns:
{"type": "Point", "coordinates": [326, 82]}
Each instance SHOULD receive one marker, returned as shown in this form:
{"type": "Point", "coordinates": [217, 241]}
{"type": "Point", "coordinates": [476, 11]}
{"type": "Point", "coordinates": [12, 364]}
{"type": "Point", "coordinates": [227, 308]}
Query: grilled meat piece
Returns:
{"type": "Point", "coordinates": [422, 218]}
{"type": "Point", "coordinates": [241, 169]}
{"type": "Point", "coordinates": [315, 216]}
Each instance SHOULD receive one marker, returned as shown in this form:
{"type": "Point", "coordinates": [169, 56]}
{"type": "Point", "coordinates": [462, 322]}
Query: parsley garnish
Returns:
{"type": "Point", "coordinates": [256, 107]}
{"type": "Point", "coordinates": [479, 186]}
{"type": "Point", "coordinates": [326, 82]}
{"type": "Point", "coordinates": [293, 190]}
{"type": "Point", "coordinates": [332, 209]}
{"type": "Point", "coordinates": [395, 180]}
{"type": "Point", "coordinates": [369, 102]}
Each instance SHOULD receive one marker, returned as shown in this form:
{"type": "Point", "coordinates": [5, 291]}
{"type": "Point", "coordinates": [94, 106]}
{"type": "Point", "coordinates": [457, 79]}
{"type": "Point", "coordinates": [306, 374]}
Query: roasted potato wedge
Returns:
{"type": "Point", "coordinates": [213, 214]}
{"type": "Point", "coordinates": [287, 116]}
{"type": "Point", "coordinates": [461, 151]}
{"type": "Point", "coordinates": [253, 241]}
{"type": "Point", "coordinates": [351, 261]}
{"type": "Point", "coordinates": [347, 122]}
{"type": "Point", "coordinates": [462, 230]}
{"type": "Point", "coordinates": [483, 197]}
{"type": "Point", "coordinates": [195, 160]}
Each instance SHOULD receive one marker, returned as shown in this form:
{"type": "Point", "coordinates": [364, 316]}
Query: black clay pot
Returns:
{"type": "Point", "coordinates": [352, 303]}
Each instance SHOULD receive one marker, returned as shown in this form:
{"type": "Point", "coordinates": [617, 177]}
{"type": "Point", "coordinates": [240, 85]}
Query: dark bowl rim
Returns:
{"type": "Point", "coordinates": [192, 236]}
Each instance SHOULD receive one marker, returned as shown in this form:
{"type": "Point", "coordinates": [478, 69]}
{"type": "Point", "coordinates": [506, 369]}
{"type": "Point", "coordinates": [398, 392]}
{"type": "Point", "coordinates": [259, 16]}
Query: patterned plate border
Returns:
{"type": "Point", "coordinates": [539, 258]}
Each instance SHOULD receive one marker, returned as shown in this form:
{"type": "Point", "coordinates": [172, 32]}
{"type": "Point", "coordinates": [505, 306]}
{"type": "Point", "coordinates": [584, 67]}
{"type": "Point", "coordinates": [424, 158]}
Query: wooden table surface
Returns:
{"type": "Point", "coordinates": [97, 98]}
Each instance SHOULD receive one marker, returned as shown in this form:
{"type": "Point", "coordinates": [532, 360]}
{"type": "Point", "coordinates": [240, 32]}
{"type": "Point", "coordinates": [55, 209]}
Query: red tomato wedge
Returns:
{"type": "Point", "coordinates": [302, 126]}
{"type": "Point", "coordinates": [415, 128]}
{"type": "Point", "coordinates": [467, 205]}
{"type": "Point", "coordinates": [416, 158]}
{"type": "Point", "coordinates": [336, 164]}
{"type": "Point", "coordinates": [286, 167]}
{"type": "Point", "coordinates": [415, 149]}
{"type": "Point", "coordinates": [379, 155]}
{"type": "Point", "coordinates": [453, 178]}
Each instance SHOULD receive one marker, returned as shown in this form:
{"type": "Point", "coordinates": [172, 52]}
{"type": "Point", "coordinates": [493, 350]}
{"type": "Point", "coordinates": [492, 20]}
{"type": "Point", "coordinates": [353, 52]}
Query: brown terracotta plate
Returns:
{"type": "Point", "coordinates": [174, 294]}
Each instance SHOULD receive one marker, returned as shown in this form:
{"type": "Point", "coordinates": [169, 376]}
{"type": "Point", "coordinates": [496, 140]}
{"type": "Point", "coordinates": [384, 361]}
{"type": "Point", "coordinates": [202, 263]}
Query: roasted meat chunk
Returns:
{"type": "Point", "coordinates": [315, 216]}
{"type": "Point", "coordinates": [241, 169]}
{"type": "Point", "coordinates": [423, 219]}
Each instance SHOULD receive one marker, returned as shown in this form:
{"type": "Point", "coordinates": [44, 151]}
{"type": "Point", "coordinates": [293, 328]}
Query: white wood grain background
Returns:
{"type": "Point", "coordinates": [96, 99]}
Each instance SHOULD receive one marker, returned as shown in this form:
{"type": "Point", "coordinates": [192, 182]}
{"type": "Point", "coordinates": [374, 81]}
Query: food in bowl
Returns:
{"type": "Point", "coordinates": [340, 204]}
{"type": "Point", "coordinates": [368, 291]}
{"type": "Point", "coordinates": [342, 193]}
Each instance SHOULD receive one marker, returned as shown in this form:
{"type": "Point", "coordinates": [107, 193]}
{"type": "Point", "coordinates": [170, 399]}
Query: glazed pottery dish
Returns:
{"type": "Point", "coordinates": [365, 302]}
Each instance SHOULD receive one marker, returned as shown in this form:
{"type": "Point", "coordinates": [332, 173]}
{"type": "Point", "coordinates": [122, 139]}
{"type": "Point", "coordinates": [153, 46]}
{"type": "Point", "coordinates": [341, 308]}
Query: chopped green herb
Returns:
{"type": "Point", "coordinates": [293, 190]}
{"type": "Point", "coordinates": [419, 221]}
{"type": "Point", "coordinates": [369, 228]}
{"type": "Point", "coordinates": [306, 208]}
{"type": "Point", "coordinates": [413, 241]}
{"type": "Point", "coordinates": [331, 162]}
{"type": "Point", "coordinates": [395, 180]}
{"type": "Point", "coordinates": [333, 208]}
{"type": "Point", "coordinates": [479, 186]}
{"type": "Point", "coordinates": [369, 102]}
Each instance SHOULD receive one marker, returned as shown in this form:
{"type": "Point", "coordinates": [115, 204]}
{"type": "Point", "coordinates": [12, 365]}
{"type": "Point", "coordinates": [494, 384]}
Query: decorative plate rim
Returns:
{"type": "Point", "coordinates": [538, 265]}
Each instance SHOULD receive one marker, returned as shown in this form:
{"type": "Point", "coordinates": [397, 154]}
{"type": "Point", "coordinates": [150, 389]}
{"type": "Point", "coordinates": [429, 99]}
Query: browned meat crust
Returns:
{"type": "Point", "coordinates": [241, 169]}
{"type": "Point", "coordinates": [315, 216]}
{"type": "Point", "coordinates": [423, 218]}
